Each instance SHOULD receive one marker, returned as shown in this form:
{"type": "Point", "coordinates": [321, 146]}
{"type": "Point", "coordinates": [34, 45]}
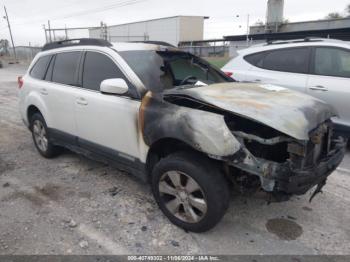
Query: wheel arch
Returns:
{"type": "Point", "coordinates": [36, 104]}
{"type": "Point", "coordinates": [164, 147]}
{"type": "Point", "coordinates": [31, 110]}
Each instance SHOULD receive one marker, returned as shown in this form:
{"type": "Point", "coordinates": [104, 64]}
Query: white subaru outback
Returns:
{"type": "Point", "coordinates": [178, 123]}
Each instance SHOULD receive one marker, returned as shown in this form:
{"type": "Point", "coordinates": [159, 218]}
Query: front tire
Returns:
{"type": "Point", "coordinates": [40, 136]}
{"type": "Point", "coordinates": [190, 190]}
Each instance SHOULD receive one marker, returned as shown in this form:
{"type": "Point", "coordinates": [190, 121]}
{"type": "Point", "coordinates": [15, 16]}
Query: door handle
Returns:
{"type": "Point", "coordinates": [319, 88]}
{"type": "Point", "coordinates": [82, 101]}
{"type": "Point", "coordinates": [43, 91]}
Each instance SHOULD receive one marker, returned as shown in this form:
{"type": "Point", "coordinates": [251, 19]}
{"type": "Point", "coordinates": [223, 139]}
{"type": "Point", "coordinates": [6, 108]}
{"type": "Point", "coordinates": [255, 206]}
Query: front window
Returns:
{"type": "Point", "coordinates": [99, 67]}
{"type": "Point", "coordinates": [160, 70]}
{"type": "Point", "coordinates": [332, 62]}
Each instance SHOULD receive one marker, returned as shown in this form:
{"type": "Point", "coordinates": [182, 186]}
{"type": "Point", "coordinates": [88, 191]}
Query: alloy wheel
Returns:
{"type": "Point", "coordinates": [182, 196]}
{"type": "Point", "coordinates": [40, 136]}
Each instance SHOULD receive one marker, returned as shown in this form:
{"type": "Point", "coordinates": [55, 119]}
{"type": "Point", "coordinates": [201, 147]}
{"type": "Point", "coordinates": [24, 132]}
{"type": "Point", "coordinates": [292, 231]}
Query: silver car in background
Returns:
{"type": "Point", "coordinates": [318, 67]}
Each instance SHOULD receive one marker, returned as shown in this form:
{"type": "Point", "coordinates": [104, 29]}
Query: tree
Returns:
{"type": "Point", "coordinates": [334, 15]}
{"type": "Point", "coordinates": [347, 10]}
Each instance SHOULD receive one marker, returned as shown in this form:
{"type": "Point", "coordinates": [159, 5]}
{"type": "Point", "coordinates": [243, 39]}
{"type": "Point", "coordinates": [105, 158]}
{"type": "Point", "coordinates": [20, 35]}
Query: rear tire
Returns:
{"type": "Point", "coordinates": [41, 137]}
{"type": "Point", "coordinates": [190, 190]}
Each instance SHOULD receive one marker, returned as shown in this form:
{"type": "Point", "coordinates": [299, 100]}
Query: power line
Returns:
{"type": "Point", "coordinates": [102, 9]}
{"type": "Point", "coordinates": [86, 12]}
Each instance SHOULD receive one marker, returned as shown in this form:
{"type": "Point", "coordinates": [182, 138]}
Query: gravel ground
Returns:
{"type": "Point", "coordinates": [73, 205]}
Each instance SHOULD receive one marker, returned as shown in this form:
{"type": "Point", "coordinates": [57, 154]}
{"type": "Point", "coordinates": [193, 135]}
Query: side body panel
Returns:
{"type": "Point", "coordinates": [111, 122]}
{"type": "Point", "coordinates": [335, 91]}
{"type": "Point", "coordinates": [239, 69]}
{"type": "Point", "coordinates": [296, 82]}
{"type": "Point", "coordinates": [161, 119]}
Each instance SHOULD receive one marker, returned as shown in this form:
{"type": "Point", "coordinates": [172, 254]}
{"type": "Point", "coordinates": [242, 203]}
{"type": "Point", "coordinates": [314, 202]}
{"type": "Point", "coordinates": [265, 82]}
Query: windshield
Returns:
{"type": "Point", "coordinates": [160, 70]}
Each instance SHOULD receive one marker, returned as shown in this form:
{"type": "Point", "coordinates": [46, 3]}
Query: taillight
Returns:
{"type": "Point", "coordinates": [230, 74]}
{"type": "Point", "coordinates": [20, 82]}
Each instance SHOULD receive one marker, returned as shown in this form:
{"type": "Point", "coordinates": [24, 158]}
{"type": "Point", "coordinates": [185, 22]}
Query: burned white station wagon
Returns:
{"type": "Point", "coordinates": [178, 123]}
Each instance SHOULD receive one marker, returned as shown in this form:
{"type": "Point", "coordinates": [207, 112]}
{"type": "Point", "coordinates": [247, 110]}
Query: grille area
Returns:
{"type": "Point", "coordinates": [317, 147]}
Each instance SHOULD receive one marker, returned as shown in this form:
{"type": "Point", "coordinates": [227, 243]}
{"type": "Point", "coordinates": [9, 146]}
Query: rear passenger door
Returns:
{"type": "Point", "coordinates": [287, 67]}
{"type": "Point", "coordinates": [107, 124]}
{"type": "Point", "coordinates": [60, 92]}
{"type": "Point", "coordinates": [330, 80]}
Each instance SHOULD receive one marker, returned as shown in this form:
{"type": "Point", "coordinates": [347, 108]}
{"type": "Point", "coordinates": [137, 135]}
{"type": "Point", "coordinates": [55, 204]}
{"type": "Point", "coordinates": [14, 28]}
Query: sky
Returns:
{"type": "Point", "coordinates": [227, 17]}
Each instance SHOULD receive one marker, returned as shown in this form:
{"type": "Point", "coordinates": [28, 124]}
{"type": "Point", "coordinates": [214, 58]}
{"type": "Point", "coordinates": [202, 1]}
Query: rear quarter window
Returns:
{"type": "Point", "coordinates": [292, 60]}
{"type": "Point", "coordinates": [39, 69]}
{"type": "Point", "coordinates": [255, 59]}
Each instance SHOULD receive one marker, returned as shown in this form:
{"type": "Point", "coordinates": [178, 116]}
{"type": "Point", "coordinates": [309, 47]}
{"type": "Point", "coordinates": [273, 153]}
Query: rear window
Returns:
{"type": "Point", "coordinates": [288, 60]}
{"type": "Point", "coordinates": [39, 69]}
{"type": "Point", "coordinates": [65, 68]}
{"type": "Point", "coordinates": [293, 60]}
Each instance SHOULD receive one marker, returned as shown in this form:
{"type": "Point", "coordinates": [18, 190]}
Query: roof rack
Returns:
{"type": "Point", "coordinates": [154, 43]}
{"type": "Point", "coordinates": [76, 42]}
{"type": "Point", "coordinates": [280, 42]}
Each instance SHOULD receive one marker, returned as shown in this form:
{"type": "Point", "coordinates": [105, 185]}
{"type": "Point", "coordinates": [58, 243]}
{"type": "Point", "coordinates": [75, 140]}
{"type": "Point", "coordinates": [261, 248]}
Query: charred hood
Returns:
{"type": "Point", "coordinates": [289, 112]}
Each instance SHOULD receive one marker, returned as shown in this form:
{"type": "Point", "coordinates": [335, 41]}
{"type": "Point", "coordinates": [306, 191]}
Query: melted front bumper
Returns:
{"type": "Point", "coordinates": [298, 182]}
{"type": "Point", "coordinates": [282, 179]}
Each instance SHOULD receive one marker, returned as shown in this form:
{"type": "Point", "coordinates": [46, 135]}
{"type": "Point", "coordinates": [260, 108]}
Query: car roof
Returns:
{"type": "Point", "coordinates": [98, 44]}
{"type": "Point", "coordinates": [135, 46]}
{"type": "Point", "coordinates": [293, 43]}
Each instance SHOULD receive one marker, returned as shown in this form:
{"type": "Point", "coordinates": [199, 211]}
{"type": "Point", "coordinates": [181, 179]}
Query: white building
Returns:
{"type": "Point", "coordinates": [169, 29]}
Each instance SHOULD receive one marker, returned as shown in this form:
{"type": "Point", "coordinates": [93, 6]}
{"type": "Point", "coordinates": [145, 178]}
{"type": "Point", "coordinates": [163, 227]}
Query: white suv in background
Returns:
{"type": "Point", "coordinates": [318, 67]}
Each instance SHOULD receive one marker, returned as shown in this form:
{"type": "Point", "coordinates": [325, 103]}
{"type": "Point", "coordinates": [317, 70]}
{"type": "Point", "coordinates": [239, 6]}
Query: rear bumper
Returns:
{"type": "Point", "coordinates": [299, 182]}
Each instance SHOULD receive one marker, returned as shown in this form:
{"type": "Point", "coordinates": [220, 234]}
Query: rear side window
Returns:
{"type": "Point", "coordinates": [39, 69]}
{"type": "Point", "coordinates": [294, 60]}
{"type": "Point", "coordinates": [99, 67]}
{"type": "Point", "coordinates": [65, 68]}
{"type": "Point", "coordinates": [255, 59]}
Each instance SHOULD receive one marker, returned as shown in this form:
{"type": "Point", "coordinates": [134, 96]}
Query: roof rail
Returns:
{"type": "Point", "coordinates": [280, 42]}
{"type": "Point", "coordinates": [76, 42]}
{"type": "Point", "coordinates": [154, 43]}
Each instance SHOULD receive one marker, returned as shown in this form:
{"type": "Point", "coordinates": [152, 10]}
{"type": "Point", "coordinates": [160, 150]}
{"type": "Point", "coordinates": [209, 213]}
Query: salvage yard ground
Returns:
{"type": "Point", "coordinates": [73, 205]}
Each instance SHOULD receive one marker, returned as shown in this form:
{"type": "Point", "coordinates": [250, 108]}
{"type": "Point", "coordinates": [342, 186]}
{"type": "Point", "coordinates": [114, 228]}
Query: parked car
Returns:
{"type": "Point", "coordinates": [318, 67]}
{"type": "Point", "coordinates": [174, 121]}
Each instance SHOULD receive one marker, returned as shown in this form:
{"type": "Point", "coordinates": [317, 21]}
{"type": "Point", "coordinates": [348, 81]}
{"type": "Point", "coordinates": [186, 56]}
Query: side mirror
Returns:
{"type": "Point", "coordinates": [116, 86]}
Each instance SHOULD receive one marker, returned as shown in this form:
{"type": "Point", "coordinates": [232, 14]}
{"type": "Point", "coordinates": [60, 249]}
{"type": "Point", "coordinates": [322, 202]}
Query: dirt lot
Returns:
{"type": "Point", "coordinates": [73, 205]}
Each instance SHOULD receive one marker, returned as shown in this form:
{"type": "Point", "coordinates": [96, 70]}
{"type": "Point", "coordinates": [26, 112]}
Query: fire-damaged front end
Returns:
{"type": "Point", "coordinates": [288, 166]}
{"type": "Point", "coordinates": [282, 138]}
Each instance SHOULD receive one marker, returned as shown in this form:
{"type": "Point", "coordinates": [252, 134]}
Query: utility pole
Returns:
{"type": "Point", "coordinates": [44, 27]}
{"type": "Point", "coordinates": [248, 29]}
{"type": "Point", "coordinates": [104, 32]}
{"type": "Point", "coordinates": [48, 23]}
{"type": "Point", "coordinates": [31, 51]}
{"type": "Point", "coordinates": [65, 30]}
{"type": "Point", "coordinates": [8, 23]}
